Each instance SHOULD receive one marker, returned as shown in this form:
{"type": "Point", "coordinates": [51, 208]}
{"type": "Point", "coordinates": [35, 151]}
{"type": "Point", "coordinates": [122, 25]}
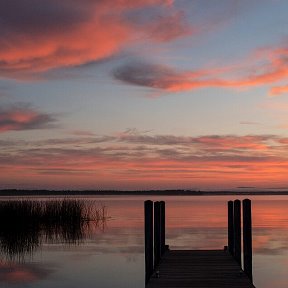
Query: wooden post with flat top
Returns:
{"type": "Point", "coordinates": [247, 237]}
{"type": "Point", "coordinates": [157, 234]}
{"type": "Point", "coordinates": [230, 227]}
{"type": "Point", "coordinates": [148, 212]}
{"type": "Point", "coordinates": [237, 231]}
{"type": "Point", "coordinates": [162, 228]}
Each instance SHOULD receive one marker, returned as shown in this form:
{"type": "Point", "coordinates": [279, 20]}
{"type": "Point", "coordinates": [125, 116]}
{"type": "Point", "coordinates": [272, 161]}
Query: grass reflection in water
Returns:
{"type": "Point", "coordinates": [25, 224]}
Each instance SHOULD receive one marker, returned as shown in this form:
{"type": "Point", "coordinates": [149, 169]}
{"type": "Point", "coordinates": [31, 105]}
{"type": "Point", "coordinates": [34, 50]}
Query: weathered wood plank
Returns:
{"type": "Point", "coordinates": [199, 269]}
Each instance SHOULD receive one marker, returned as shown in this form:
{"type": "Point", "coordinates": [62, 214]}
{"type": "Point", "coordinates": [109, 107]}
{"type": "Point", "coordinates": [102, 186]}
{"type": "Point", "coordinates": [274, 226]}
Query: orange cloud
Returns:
{"type": "Point", "coordinates": [278, 90]}
{"type": "Point", "coordinates": [56, 34]}
{"type": "Point", "coordinates": [23, 117]}
{"type": "Point", "coordinates": [171, 80]}
{"type": "Point", "coordinates": [162, 77]}
{"type": "Point", "coordinates": [146, 161]}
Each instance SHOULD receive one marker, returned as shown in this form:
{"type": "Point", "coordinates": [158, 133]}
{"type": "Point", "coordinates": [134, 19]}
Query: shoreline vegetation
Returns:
{"type": "Point", "coordinates": [36, 192]}
{"type": "Point", "coordinates": [26, 224]}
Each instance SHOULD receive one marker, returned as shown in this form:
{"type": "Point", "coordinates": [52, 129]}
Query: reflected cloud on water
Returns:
{"type": "Point", "coordinates": [23, 274]}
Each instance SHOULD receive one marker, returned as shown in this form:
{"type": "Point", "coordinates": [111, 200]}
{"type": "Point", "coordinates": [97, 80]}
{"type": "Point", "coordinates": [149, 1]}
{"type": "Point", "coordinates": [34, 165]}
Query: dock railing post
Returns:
{"type": "Point", "coordinates": [247, 237]}
{"type": "Point", "coordinates": [148, 213]}
{"type": "Point", "coordinates": [230, 228]}
{"type": "Point", "coordinates": [157, 234]}
{"type": "Point", "coordinates": [237, 231]}
{"type": "Point", "coordinates": [162, 228]}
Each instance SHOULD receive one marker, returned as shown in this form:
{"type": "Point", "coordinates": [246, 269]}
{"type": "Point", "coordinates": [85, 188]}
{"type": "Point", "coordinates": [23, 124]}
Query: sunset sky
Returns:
{"type": "Point", "coordinates": [143, 94]}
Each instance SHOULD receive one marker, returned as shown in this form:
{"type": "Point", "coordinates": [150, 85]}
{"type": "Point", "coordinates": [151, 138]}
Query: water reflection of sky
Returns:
{"type": "Point", "coordinates": [114, 257]}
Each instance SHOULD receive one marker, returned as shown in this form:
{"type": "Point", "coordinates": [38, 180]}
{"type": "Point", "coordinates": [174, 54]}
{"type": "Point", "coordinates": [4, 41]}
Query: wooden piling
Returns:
{"type": "Point", "coordinates": [148, 212]}
{"type": "Point", "coordinates": [162, 227]}
{"type": "Point", "coordinates": [230, 228]}
{"type": "Point", "coordinates": [237, 231]}
{"type": "Point", "coordinates": [157, 234]}
{"type": "Point", "coordinates": [247, 237]}
{"type": "Point", "coordinates": [198, 268]}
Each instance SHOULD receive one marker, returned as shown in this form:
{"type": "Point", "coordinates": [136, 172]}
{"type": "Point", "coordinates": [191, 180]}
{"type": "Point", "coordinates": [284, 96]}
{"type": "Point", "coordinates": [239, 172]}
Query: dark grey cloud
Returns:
{"type": "Point", "coordinates": [249, 123]}
{"type": "Point", "coordinates": [44, 16]}
{"type": "Point", "coordinates": [147, 75]}
{"type": "Point", "coordinates": [24, 117]}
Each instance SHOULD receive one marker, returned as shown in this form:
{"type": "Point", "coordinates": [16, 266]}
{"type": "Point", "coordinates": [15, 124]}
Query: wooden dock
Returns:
{"type": "Point", "coordinates": [198, 269]}
{"type": "Point", "coordinates": [166, 268]}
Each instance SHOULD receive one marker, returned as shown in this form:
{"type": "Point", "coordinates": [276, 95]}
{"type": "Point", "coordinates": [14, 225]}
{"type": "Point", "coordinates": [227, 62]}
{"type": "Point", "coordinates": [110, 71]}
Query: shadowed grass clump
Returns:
{"type": "Point", "coordinates": [24, 224]}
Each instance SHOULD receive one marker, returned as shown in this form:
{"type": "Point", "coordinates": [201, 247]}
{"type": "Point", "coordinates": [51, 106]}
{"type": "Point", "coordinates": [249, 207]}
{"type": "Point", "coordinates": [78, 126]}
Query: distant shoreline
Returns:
{"type": "Point", "coordinates": [19, 192]}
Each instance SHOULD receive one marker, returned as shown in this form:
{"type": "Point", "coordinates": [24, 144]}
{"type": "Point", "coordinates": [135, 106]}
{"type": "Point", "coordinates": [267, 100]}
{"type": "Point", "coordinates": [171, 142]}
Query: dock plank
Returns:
{"type": "Point", "coordinates": [199, 269]}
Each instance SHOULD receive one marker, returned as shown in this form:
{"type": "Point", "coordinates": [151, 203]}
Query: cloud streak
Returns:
{"type": "Point", "coordinates": [133, 159]}
{"type": "Point", "coordinates": [278, 90]}
{"type": "Point", "coordinates": [168, 79]}
{"type": "Point", "coordinates": [163, 77]}
{"type": "Point", "coordinates": [23, 117]}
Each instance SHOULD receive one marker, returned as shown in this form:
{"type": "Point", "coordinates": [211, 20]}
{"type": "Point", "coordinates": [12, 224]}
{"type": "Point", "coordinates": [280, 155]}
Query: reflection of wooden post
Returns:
{"type": "Point", "coordinates": [230, 228]}
{"type": "Point", "coordinates": [148, 207]}
{"type": "Point", "coordinates": [247, 237]}
{"type": "Point", "coordinates": [237, 231]}
{"type": "Point", "coordinates": [157, 234]}
{"type": "Point", "coordinates": [162, 229]}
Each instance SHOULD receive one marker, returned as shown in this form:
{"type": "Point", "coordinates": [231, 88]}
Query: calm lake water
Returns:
{"type": "Point", "coordinates": [112, 254]}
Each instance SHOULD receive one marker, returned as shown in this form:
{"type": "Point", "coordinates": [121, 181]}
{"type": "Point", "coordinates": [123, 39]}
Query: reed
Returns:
{"type": "Point", "coordinates": [24, 224]}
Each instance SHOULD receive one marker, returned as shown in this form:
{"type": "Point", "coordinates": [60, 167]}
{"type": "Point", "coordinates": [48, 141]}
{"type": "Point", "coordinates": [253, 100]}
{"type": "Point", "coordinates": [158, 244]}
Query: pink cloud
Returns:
{"type": "Point", "coordinates": [161, 77]}
{"type": "Point", "coordinates": [172, 80]}
{"type": "Point", "coordinates": [55, 34]}
{"type": "Point", "coordinates": [278, 90]}
{"type": "Point", "coordinates": [20, 274]}
{"type": "Point", "coordinates": [235, 142]}
{"type": "Point", "coordinates": [23, 117]}
{"type": "Point", "coordinates": [136, 160]}
{"type": "Point", "coordinates": [170, 27]}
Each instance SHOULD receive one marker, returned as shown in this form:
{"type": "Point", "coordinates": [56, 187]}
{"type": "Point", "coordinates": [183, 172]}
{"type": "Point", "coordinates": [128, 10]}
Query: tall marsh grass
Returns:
{"type": "Point", "coordinates": [24, 224]}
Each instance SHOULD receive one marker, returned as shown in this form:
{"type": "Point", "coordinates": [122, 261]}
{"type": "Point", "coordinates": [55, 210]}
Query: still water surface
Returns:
{"type": "Point", "coordinates": [112, 254]}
